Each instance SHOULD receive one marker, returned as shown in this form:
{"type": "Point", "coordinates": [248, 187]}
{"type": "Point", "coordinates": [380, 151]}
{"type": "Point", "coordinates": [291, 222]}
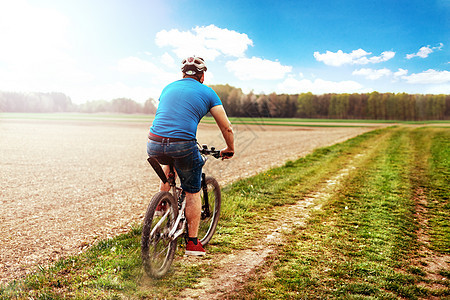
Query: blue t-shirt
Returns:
{"type": "Point", "coordinates": [182, 105]}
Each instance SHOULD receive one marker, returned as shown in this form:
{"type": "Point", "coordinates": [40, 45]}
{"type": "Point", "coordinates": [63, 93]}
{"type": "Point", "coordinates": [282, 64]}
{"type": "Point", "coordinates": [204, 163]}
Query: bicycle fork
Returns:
{"type": "Point", "coordinates": [178, 226]}
{"type": "Point", "coordinates": [205, 208]}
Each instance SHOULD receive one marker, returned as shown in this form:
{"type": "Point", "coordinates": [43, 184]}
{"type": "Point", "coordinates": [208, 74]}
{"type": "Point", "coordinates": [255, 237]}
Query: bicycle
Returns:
{"type": "Point", "coordinates": [165, 220]}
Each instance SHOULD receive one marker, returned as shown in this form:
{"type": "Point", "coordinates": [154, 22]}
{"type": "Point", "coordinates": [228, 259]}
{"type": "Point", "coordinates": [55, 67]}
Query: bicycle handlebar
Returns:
{"type": "Point", "coordinates": [213, 152]}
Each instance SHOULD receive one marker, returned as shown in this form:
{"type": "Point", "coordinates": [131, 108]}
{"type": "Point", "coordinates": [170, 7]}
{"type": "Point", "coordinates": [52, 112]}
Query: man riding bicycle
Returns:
{"type": "Point", "coordinates": [182, 105]}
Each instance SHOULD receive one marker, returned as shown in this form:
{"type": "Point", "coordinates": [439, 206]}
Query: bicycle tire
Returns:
{"type": "Point", "coordinates": [158, 250]}
{"type": "Point", "coordinates": [208, 225]}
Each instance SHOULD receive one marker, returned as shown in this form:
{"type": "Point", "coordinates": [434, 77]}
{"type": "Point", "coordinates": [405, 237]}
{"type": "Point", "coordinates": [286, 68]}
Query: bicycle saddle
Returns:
{"type": "Point", "coordinates": [156, 162]}
{"type": "Point", "coordinates": [164, 159]}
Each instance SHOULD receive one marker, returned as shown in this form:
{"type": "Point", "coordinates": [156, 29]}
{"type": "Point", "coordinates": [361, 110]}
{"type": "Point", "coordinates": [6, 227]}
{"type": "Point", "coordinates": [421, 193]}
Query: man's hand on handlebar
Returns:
{"type": "Point", "coordinates": [226, 153]}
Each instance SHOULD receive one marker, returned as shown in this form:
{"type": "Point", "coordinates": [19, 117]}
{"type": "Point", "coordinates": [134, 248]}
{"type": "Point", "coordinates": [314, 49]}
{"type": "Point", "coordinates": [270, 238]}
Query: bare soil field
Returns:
{"type": "Point", "coordinates": [67, 184]}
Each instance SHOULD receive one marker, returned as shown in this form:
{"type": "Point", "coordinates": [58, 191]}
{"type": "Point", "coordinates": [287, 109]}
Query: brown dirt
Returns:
{"type": "Point", "coordinates": [67, 184]}
{"type": "Point", "coordinates": [429, 260]}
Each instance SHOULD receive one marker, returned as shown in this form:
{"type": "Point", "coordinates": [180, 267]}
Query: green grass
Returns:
{"type": "Point", "coordinates": [322, 122]}
{"type": "Point", "coordinates": [251, 199]}
{"type": "Point", "coordinates": [101, 272]}
{"type": "Point", "coordinates": [438, 191]}
{"type": "Point", "coordinates": [362, 244]}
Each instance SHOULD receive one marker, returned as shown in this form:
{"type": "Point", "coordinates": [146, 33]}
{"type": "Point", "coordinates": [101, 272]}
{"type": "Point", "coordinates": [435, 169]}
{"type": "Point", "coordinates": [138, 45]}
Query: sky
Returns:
{"type": "Point", "coordinates": [107, 49]}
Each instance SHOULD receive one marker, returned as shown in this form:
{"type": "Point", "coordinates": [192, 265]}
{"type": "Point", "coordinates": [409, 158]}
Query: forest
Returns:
{"type": "Point", "coordinates": [369, 106]}
{"type": "Point", "coordinates": [59, 102]}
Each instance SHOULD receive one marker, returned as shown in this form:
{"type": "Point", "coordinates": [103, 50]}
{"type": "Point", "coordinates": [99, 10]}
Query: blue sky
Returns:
{"type": "Point", "coordinates": [105, 49]}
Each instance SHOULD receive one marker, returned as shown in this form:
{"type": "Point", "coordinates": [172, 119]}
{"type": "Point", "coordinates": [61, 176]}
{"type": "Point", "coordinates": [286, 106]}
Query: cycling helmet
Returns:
{"type": "Point", "coordinates": [193, 65]}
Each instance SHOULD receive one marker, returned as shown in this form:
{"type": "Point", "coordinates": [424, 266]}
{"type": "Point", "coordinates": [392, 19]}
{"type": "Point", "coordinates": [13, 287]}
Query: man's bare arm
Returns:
{"type": "Point", "coordinates": [219, 114]}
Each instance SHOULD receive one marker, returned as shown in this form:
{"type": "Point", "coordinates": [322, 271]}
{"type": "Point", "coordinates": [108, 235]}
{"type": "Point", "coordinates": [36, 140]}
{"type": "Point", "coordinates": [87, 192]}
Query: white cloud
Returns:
{"type": "Point", "coordinates": [372, 74]}
{"type": "Point", "coordinates": [355, 57]}
{"type": "Point", "coordinates": [319, 86]}
{"type": "Point", "coordinates": [229, 42]}
{"type": "Point", "coordinates": [425, 51]}
{"type": "Point", "coordinates": [257, 68]}
{"type": "Point", "coordinates": [208, 42]}
{"type": "Point", "coordinates": [385, 56]}
{"type": "Point", "coordinates": [400, 72]}
{"type": "Point", "coordinates": [428, 77]}
{"type": "Point", "coordinates": [339, 58]}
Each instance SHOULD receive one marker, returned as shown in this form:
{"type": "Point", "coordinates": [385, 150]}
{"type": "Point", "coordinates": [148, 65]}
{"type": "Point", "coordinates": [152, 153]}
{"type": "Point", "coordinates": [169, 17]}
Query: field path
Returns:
{"type": "Point", "coordinates": [67, 184]}
{"type": "Point", "coordinates": [234, 269]}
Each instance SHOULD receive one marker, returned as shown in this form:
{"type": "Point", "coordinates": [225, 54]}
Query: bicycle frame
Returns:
{"type": "Point", "coordinates": [178, 230]}
{"type": "Point", "coordinates": [161, 231]}
{"type": "Point", "coordinates": [180, 223]}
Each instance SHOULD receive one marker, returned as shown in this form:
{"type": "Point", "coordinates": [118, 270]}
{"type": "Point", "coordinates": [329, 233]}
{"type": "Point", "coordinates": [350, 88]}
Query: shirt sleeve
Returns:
{"type": "Point", "coordinates": [215, 100]}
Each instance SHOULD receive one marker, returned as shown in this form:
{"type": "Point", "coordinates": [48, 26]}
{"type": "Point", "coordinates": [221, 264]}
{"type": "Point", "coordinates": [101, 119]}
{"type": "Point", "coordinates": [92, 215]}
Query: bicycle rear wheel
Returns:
{"type": "Point", "coordinates": [208, 222]}
{"type": "Point", "coordinates": [157, 248]}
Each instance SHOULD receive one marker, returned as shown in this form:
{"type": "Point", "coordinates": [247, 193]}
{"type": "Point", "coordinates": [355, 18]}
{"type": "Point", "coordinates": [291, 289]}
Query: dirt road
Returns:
{"type": "Point", "coordinates": [66, 184]}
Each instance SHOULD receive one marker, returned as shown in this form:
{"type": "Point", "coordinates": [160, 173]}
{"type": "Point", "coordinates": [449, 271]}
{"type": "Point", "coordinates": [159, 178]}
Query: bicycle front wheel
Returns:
{"type": "Point", "coordinates": [210, 210]}
{"type": "Point", "coordinates": [157, 248]}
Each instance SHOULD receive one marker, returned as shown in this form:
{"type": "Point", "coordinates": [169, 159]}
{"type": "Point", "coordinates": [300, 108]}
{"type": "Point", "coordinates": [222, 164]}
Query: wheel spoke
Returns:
{"type": "Point", "coordinates": [163, 252]}
{"type": "Point", "coordinates": [158, 249]}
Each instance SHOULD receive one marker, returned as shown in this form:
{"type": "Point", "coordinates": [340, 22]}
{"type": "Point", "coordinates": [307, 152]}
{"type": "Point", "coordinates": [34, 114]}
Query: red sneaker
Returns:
{"type": "Point", "coordinates": [193, 249]}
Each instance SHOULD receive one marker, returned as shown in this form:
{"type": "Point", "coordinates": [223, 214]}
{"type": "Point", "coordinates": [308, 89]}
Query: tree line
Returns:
{"type": "Point", "coordinates": [368, 106]}
{"type": "Point", "coordinates": [59, 102]}
{"type": "Point", "coordinates": [375, 106]}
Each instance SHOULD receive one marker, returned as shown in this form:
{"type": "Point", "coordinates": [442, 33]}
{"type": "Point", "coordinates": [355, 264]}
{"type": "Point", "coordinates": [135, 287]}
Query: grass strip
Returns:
{"type": "Point", "coordinates": [361, 244]}
{"type": "Point", "coordinates": [439, 191]}
{"type": "Point", "coordinates": [247, 122]}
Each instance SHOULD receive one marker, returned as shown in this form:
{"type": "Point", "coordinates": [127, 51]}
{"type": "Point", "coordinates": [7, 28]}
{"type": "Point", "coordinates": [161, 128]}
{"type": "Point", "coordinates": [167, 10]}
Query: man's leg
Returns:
{"type": "Point", "coordinates": [193, 209]}
{"type": "Point", "coordinates": [193, 212]}
{"type": "Point", "coordinates": [165, 187]}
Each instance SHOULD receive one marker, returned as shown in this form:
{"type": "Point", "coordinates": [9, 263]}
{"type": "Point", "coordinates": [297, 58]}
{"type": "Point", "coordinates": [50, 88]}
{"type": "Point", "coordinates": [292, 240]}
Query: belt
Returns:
{"type": "Point", "coordinates": [157, 138]}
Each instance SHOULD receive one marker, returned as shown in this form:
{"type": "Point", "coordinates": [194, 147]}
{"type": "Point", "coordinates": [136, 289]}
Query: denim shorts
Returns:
{"type": "Point", "coordinates": [187, 160]}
